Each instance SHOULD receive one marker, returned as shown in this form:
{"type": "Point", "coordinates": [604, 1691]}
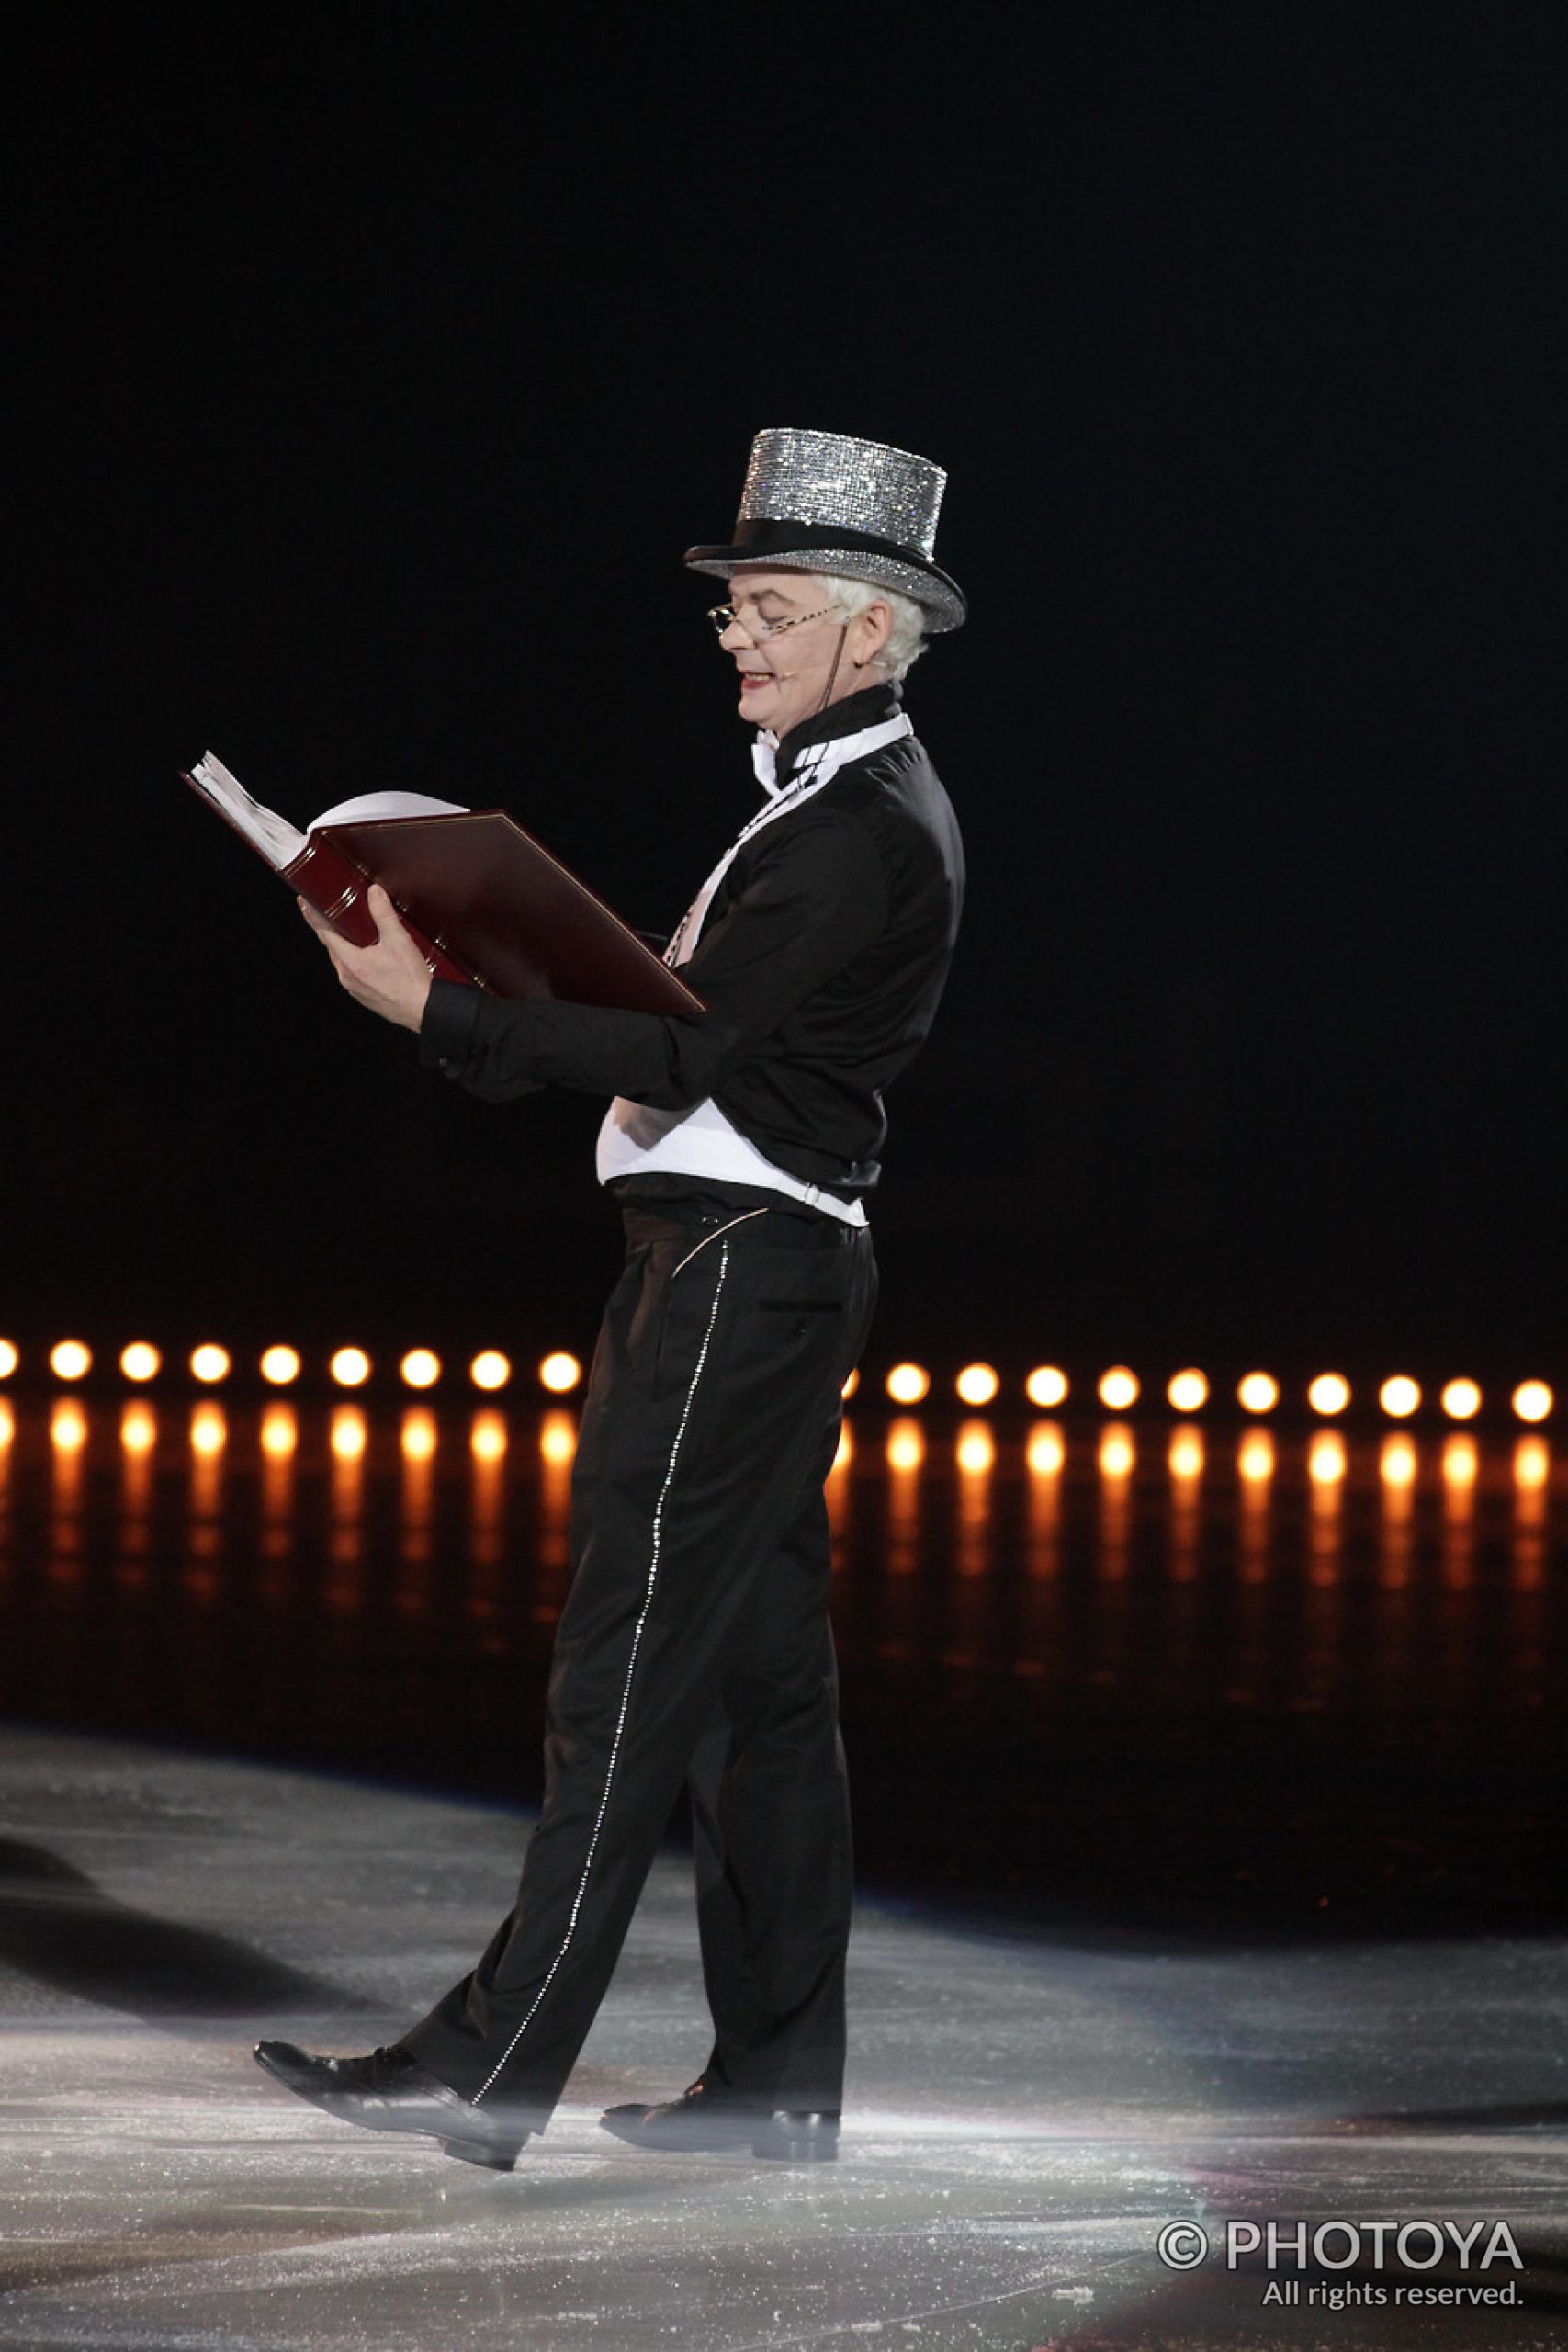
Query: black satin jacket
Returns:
{"type": "Point", "coordinates": [820, 964]}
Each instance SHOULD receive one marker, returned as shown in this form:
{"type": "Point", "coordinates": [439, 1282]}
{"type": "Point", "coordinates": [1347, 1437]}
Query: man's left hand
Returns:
{"type": "Point", "coordinates": [392, 978]}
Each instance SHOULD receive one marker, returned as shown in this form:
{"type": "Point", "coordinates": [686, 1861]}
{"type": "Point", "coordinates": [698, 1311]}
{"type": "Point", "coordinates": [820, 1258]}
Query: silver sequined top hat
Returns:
{"type": "Point", "coordinates": [825, 501]}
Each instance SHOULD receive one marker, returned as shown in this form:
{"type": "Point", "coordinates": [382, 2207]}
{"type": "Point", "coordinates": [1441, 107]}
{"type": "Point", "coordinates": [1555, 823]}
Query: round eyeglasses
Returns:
{"type": "Point", "coordinates": [725, 617]}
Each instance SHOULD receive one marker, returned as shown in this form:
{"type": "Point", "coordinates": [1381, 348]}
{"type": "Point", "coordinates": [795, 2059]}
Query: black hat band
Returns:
{"type": "Point", "coordinates": [763, 534]}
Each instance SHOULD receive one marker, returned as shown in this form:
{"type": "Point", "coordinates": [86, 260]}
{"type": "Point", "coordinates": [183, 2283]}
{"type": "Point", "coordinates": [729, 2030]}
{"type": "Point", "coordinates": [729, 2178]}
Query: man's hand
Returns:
{"type": "Point", "coordinates": [392, 978]}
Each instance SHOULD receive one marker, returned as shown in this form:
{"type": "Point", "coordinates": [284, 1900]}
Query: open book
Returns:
{"type": "Point", "coordinates": [484, 903]}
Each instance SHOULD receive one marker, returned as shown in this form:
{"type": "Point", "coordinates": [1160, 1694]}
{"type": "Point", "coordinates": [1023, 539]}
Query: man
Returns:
{"type": "Point", "coordinates": [695, 1646]}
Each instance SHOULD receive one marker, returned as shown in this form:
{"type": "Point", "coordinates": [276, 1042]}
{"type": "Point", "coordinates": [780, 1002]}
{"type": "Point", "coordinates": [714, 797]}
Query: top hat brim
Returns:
{"type": "Point", "coordinates": [846, 555]}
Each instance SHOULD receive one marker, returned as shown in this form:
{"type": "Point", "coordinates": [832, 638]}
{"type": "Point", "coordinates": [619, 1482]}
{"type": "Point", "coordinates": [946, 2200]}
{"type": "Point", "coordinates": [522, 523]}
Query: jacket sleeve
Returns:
{"type": "Point", "coordinates": [813, 895]}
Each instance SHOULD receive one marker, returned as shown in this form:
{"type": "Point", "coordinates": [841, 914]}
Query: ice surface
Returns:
{"type": "Point", "coordinates": [1021, 2116]}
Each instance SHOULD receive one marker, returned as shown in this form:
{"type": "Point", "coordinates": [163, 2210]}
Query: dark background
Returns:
{"type": "Point", "coordinates": [380, 368]}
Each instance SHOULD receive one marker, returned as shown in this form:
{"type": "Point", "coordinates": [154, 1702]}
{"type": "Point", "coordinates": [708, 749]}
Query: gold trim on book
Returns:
{"type": "Point", "coordinates": [474, 978]}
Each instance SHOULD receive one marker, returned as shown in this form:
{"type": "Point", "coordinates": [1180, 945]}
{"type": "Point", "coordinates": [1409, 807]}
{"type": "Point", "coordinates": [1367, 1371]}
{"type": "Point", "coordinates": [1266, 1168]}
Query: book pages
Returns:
{"type": "Point", "coordinates": [278, 841]}
{"type": "Point", "coordinates": [372, 806]}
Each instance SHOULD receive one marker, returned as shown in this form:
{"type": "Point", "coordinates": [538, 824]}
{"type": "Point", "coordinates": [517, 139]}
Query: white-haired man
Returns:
{"type": "Point", "coordinates": [695, 1646]}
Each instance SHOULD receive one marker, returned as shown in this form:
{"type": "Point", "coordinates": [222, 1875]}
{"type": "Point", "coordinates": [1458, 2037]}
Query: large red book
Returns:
{"type": "Point", "coordinates": [484, 901]}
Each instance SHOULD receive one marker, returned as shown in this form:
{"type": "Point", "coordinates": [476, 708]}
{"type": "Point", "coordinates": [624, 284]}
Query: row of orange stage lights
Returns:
{"type": "Point", "coordinates": [280, 1367]}
{"type": "Point", "coordinates": [905, 1449]}
{"type": "Point", "coordinates": [1119, 1389]}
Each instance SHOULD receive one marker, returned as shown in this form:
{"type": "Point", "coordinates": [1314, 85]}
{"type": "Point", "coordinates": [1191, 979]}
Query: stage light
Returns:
{"type": "Point", "coordinates": [350, 1367]}
{"type": "Point", "coordinates": [1046, 1385]}
{"type": "Point", "coordinates": [280, 1365]}
{"type": "Point", "coordinates": [1399, 1396]}
{"type": "Point", "coordinates": [1532, 1462]}
{"type": "Point", "coordinates": [906, 1446]}
{"type": "Point", "coordinates": [1257, 1393]}
{"type": "Point", "coordinates": [909, 1383]}
{"type": "Point", "coordinates": [1325, 1458]}
{"type": "Point", "coordinates": [207, 1430]}
{"type": "Point", "coordinates": [844, 1453]}
{"type": "Point", "coordinates": [1186, 1455]}
{"type": "Point", "coordinates": [1045, 1452]}
{"type": "Point", "coordinates": [487, 1439]}
{"type": "Point", "coordinates": [1117, 1453]}
{"type": "Point", "coordinates": [138, 1429]}
{"type": "Point", "coordinates": [1461, 1400]}
{"type": "Point", "coordinates": [559, 1373]}
{"type": "Point", "coordinates": [7, 1422]}
{"type": "Point", "coordinates": [421, 1368]}
{"type": "Point", "coordinates": [68, 1426]}
{"type": "Point", "coordinates": [557, 1437]}
{"type": "Point", "coordinates": [140, 1360]}
{"type": "Point", "coordinates": [1256, 1459]}
{"type": "Point", "coordinates": [1459, 1461]}
{"type": "Point", "coordinates": [69, 1359]}
{"type": "Point", "coordinates": [1396, 1462]}
{"type": "Point", "coordinates": [490, 1369]}
{"type": "Point", "coordinates": [210, 1362]}
{"type": "Point", "coordinates": [850, 1384]}
{"type": "Point", "coordinates": [976, 1451]}
{"type": "Point", "coordinates": [347, 1440]}
{"type": "Point", "coordinates": [1532, 1400]}
{"type": "Point", "coordinates": [280, 1432]}
{"type": "Point", "coordinates": [1329, 1393]}
{"type": "Point", "coordinates": [1187, 1391]}
{"type": "Point", "coordinates": [9, 1359]}
{"type": "Point", "coordinates": [977, 1384]}
{"type": "Point", "coordinates": [418, 1437]}
{"type": "Point", "coordinates": [1119, 1389]}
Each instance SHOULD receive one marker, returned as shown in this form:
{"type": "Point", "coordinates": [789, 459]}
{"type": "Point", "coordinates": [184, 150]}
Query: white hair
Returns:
{"type": "Point", "coordinates": [907, 640]}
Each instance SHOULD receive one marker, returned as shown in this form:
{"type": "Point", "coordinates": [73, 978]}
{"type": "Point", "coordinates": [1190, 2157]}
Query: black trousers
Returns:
{"type": "Point", "coordinates": [694, 1649]}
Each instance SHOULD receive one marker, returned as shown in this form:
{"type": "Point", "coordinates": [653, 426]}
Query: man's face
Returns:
{"type": "Point", "coordinates": [784, 675]}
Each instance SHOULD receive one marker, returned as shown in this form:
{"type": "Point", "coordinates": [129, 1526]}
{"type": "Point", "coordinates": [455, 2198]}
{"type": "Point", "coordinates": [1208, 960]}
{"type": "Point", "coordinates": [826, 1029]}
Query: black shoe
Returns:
{"type": "Point", "coordinates": [390, 2091]}
{"type": "Point", "coordinates": [698, 2123]}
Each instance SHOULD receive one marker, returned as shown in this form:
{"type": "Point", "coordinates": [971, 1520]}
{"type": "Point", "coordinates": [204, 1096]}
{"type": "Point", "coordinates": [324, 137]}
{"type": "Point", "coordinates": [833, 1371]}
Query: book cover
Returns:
{"type": "Point", "coordinates": [484, 901]}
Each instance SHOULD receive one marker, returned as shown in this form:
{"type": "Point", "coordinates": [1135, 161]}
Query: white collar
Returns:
{"type": "Point", "coordinates": [830, 756]}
